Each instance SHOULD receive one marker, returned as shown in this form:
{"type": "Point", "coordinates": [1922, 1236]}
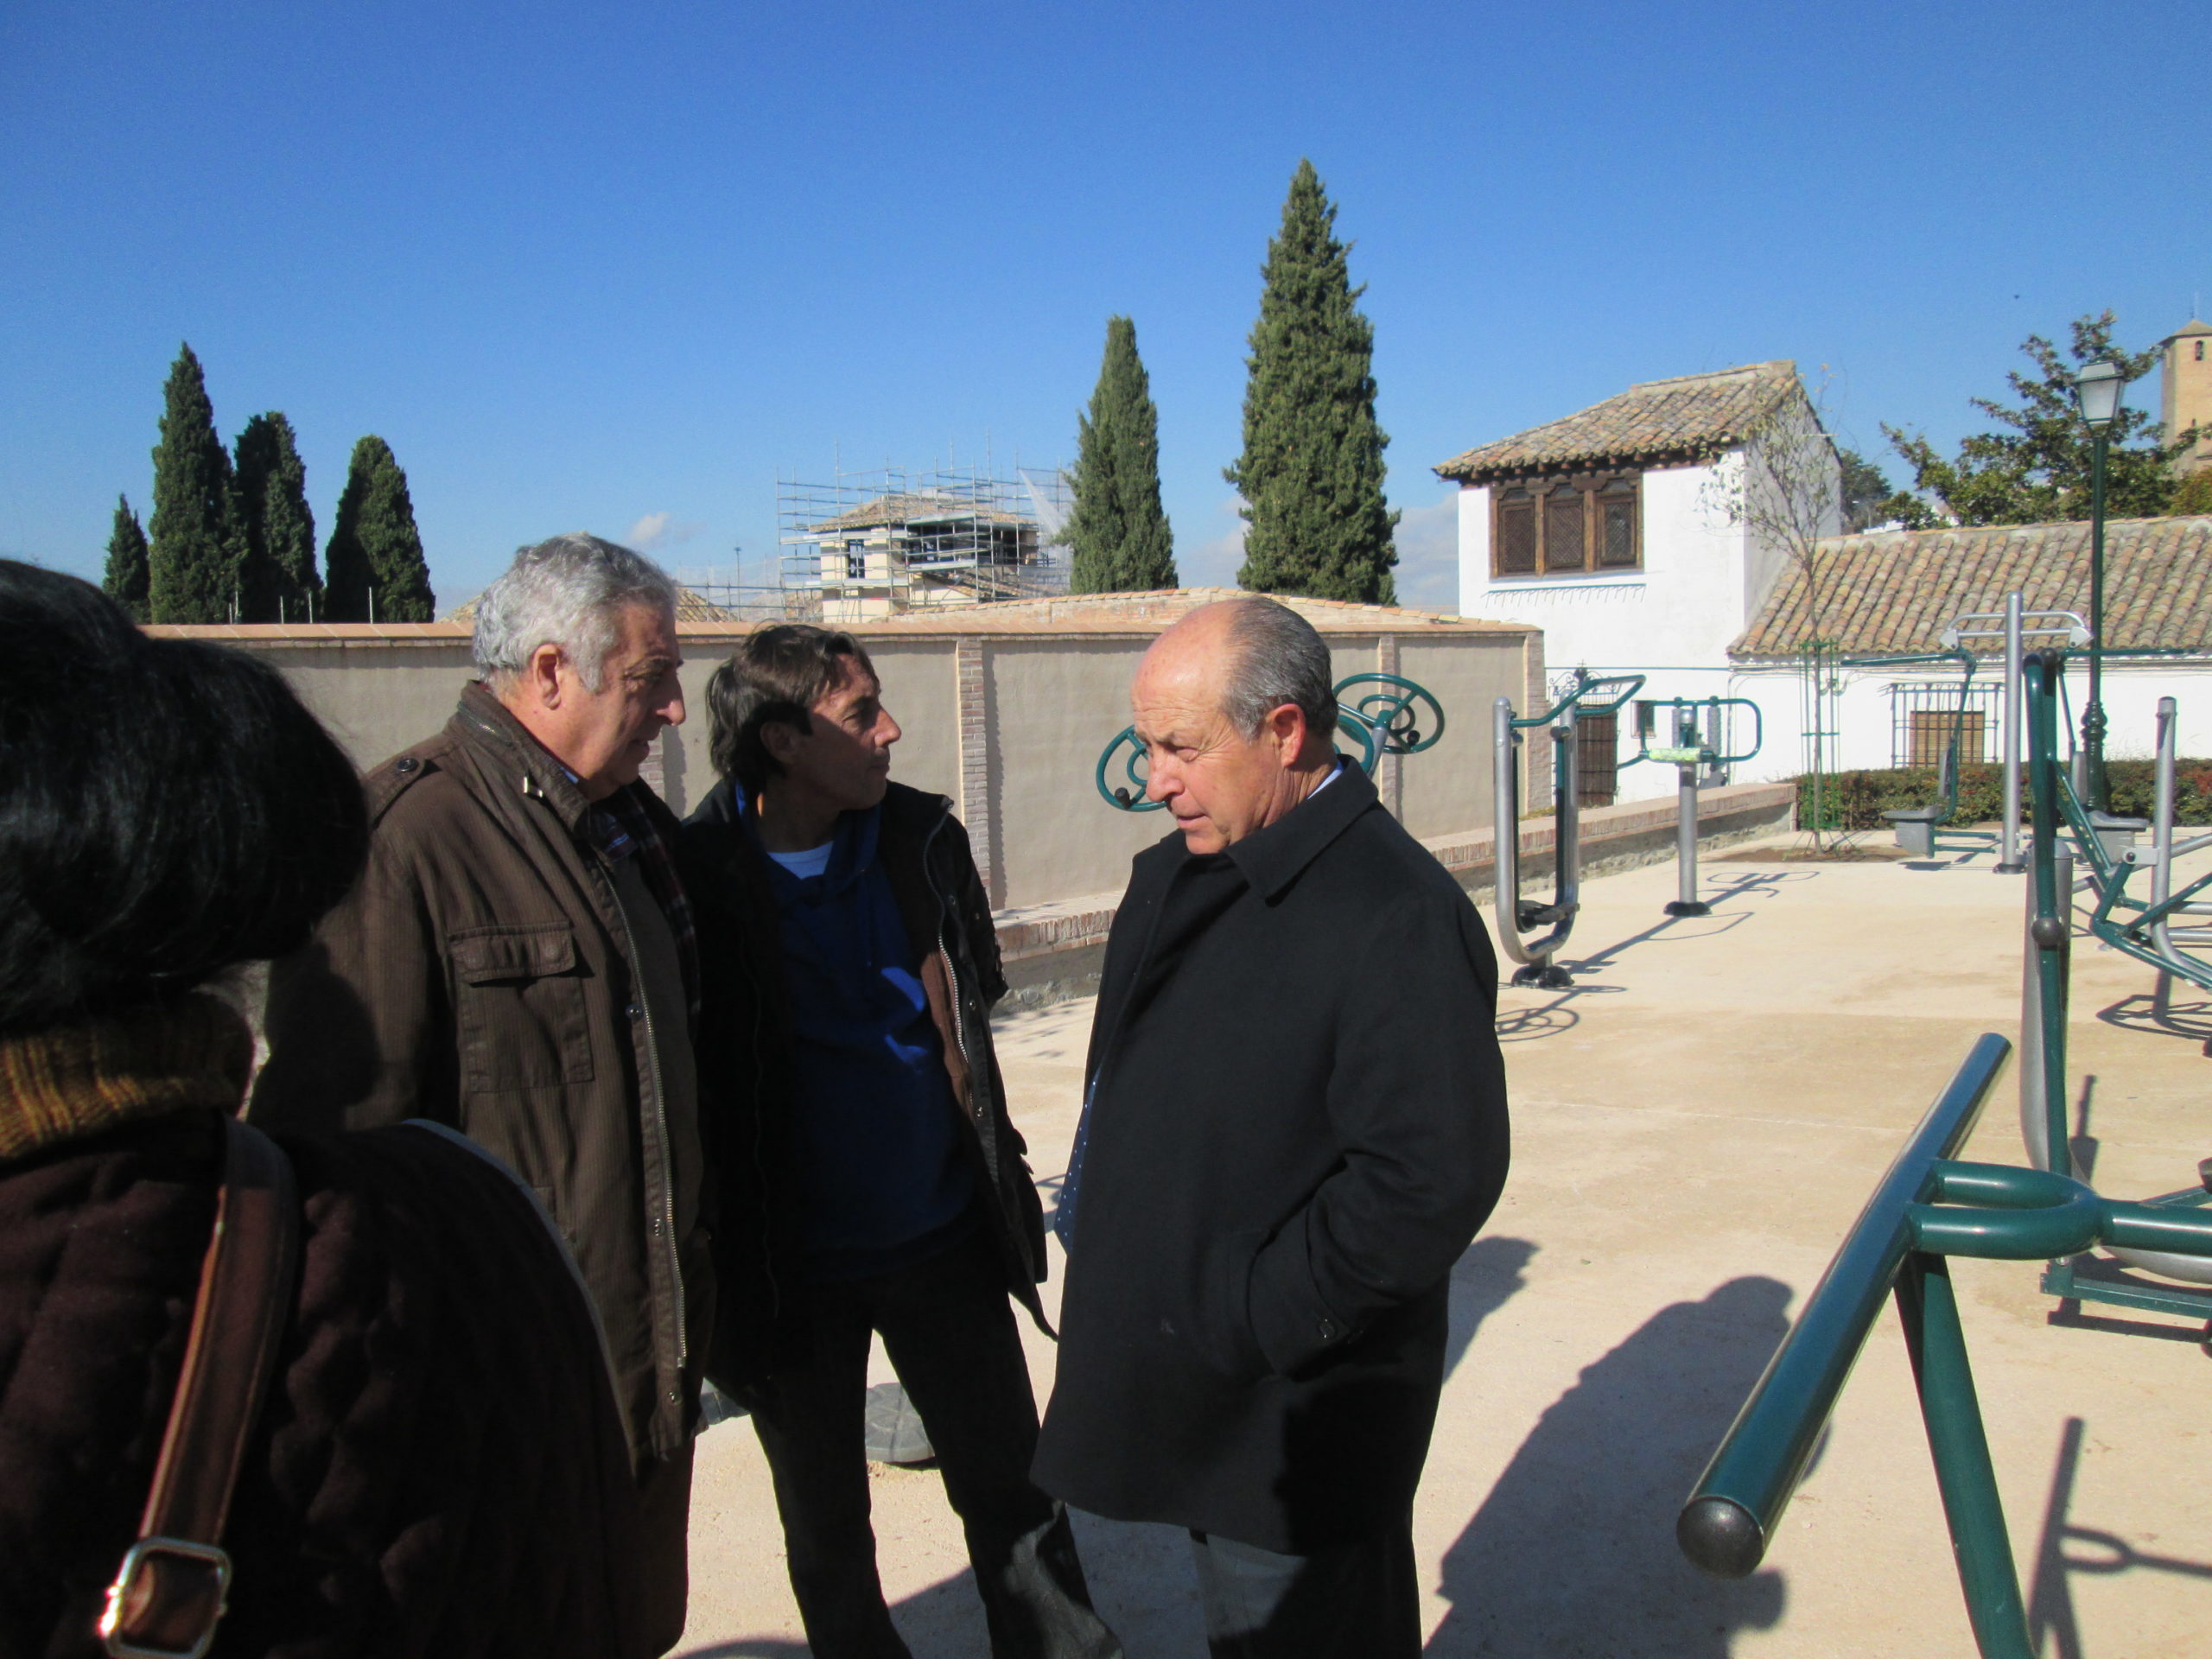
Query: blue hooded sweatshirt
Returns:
{"type": "Point", "coordinates": [885, 1183]}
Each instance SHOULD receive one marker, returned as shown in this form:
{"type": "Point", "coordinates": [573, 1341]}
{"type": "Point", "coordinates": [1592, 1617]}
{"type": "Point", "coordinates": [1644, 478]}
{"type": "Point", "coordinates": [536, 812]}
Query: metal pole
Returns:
{"type": "Point", "coordinates": [1566, 839]}
{"type": "Point", "coordinates": [2092, 717]}
{"type": "Point", "coordinates": [2162, 844]}
{"type": "Point", "coordinates": [2008, 846]}
{"type": "Point", "coordinates": [1929, 1308]}
{"type": "Point", "coordinates": [1505, 815]}
{"type": "Point", "coordinates": [1687, 903]}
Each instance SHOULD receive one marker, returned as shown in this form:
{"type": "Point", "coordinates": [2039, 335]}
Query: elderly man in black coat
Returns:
{"type": "Point", "coordinates": [1296, 1123]}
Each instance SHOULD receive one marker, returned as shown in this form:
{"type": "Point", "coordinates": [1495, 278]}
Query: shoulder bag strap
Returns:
{"type": "Point", "coordinates": [175, 1581]}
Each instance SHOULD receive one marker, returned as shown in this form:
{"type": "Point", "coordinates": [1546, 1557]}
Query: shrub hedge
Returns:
{"type": "Point", "coordinates": [1856, 800]}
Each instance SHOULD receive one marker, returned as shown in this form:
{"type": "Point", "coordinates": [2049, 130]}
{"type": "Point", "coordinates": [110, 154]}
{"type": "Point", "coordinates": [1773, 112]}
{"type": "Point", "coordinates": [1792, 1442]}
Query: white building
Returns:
{"type": "Point", "coordinates": [1893, 593]}
{"type": "Point", "coordinates": [1669, 531]}
{"type": "Point", "coordinates": [1643, 534]}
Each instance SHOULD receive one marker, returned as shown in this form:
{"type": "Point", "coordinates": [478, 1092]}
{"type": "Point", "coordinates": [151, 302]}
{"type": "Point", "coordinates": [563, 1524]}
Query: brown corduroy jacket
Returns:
{"type": "Point", "coordinates": [481, 976]}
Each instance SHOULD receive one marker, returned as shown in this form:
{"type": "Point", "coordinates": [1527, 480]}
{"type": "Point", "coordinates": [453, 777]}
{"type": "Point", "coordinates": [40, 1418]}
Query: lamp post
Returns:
{"type": "Point", "coordinates": [2096, 388]}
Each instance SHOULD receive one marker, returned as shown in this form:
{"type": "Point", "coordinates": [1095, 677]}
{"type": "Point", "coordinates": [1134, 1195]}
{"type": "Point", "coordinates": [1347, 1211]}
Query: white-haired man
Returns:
{"type": "Point", "coordinates": [519, 963]}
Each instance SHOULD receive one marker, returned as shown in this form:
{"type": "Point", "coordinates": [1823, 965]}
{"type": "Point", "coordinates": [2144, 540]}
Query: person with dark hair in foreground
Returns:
{"type": "Point", "coordinates": [850, 967]}
{"type": "Point", "coordinates": [518, 963]}
{"type": "Point", "coordinates": [437, 1467]}
{"type": "Point", "coordinates": [1295, 1123]}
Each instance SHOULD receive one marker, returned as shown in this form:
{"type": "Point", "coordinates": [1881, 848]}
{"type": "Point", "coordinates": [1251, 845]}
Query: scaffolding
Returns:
{"type": "Point", "coordinates": [870, 544]}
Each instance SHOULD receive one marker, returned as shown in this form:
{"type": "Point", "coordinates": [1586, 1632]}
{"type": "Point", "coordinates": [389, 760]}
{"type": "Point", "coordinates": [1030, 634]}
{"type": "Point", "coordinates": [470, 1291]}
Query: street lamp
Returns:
{"type": "Point", "coordinates": [2096, 388]}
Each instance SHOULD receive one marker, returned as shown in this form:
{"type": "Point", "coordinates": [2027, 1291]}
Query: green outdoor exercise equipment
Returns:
{"type": "Point", "coordinates": [1699, 724]}
{"type": "Point", "coordinates": [1385, 713]}
{"type": "Point", "coordinates": [1584, 699]}
{"type": "Point", "coordinates": [1926, 1209]}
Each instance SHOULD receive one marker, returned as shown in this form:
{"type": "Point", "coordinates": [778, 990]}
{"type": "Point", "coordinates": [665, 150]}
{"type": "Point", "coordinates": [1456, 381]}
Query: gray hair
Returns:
{"type": "Point", "coordinates": [569, 591]}
{"type": "Point", "coordinates": [1279, 660]}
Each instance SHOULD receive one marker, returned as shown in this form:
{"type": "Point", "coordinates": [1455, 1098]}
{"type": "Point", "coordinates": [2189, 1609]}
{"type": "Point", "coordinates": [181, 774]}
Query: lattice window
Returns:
{"type": "Point", "coordinates": [1617, 547]}
{"type": "Point", "coordinates": [1564, 516]}
{"type": "Point", "coordinates": [1559, 524]}
{"type": "Point", "coordinates": [1515, 539]}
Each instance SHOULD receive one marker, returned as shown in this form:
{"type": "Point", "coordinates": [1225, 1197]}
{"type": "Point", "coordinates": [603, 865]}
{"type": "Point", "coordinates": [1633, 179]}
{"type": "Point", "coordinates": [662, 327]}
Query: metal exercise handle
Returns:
{"type": "Point", "coordinates": [1731, 1513]}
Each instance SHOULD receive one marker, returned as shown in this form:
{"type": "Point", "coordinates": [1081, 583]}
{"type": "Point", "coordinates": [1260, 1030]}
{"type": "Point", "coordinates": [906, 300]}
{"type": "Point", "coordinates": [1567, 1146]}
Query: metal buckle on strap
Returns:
{"type": "Point", "coordinates": [119, 1595]}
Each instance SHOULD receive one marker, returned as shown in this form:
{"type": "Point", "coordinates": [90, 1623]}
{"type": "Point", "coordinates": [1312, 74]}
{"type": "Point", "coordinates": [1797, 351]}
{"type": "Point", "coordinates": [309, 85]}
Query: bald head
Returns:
{"type": "Point", "coordinates": [1233, 706]}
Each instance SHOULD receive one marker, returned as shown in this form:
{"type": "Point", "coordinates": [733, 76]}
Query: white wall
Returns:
{"type": "Point", "coordinates": [1686, 605]}
{"type": "Point", "coordinates": [1673, 619]}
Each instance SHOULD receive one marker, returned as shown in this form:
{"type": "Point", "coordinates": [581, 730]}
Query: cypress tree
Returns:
{"type": "Point", "coordinates": [126, 581]}
{"type": "Point", "coordinates": [1118, 529]}
{"type": "Point", "coordinates": [277, 569]}
{"type": "Point", "coordinates": [1311, 470]}
{"type": "Point", "coordinates": [375, 545]}
{"type": "Point", "coordinates": [191, 565]}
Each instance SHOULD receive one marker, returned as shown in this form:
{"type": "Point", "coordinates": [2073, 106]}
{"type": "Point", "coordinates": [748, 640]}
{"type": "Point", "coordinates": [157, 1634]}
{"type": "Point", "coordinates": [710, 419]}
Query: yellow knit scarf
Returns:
{"type": "Point", "coordinates": [77, 1081]}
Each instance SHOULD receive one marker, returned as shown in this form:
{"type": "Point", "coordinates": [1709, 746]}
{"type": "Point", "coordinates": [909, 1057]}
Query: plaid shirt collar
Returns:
{"type": "Point", "coordinates": [622, 827]}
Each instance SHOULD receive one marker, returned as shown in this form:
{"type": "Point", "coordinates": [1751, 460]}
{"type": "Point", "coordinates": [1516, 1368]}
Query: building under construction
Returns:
{"type": "Point", "coordinates": [871, 544]}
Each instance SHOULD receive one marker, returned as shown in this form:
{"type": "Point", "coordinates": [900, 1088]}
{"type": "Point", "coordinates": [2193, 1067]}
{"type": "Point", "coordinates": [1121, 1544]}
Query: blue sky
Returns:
{"type": "Point", "coordinates": [582, 266]}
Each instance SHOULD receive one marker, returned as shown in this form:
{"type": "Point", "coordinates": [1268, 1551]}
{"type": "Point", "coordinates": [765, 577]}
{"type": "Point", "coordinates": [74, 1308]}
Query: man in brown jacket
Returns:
{"type": "Point", "coordinates": [518, 962]}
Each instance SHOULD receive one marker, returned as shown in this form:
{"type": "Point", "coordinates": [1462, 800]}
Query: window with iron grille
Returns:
{"type": "Point", "coordinates": [1923, 717]}
{"type": "Point", "coordinates": [1586, 523]}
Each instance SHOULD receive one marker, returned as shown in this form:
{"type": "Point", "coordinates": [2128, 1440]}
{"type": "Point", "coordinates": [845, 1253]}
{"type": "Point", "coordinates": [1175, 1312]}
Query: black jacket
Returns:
{"type": "Point", "coordinates": [748, 1074]}
{"type": "Point", "coordinates": [1298, 1123]}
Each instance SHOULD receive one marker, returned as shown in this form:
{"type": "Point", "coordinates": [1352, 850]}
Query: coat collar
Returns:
{"type": "Point", "coordinates": [72, 1082]}
{"type": "Point", "coordinates": [505, 747]}
{"type": "Point", "coordinates": [1274, 857]}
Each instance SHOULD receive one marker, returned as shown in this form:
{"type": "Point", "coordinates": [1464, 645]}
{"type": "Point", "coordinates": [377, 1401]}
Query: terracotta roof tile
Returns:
{"type": "Point", "coordinates": [1895, 590]}
{"type": "Point", "coordinates": [1679, 419]}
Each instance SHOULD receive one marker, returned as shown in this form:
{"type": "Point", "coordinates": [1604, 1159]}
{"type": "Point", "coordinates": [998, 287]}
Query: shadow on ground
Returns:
{"type": "Point", "coordinates": [2052, 1626]}
{"type": "Point", "coordinates": [1140, 1575]}
{"type": "Point", "coordinates": [1573, 1555]}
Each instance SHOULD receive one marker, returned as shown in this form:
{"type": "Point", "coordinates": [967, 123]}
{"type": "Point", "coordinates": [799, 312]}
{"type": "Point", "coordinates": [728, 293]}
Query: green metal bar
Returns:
{"type": "Point", "coordinates": [1578, 699]}
{"type": "Point", "coordinates": [1930, 1309]}
{"type": "Point", "coordinates": [2049, 932]}
{"type": "Point", "coordinates": [1732, 1514]}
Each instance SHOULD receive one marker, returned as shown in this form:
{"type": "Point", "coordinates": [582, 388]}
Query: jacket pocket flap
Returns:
{"type": "Point", "coordinates": [514, 953]}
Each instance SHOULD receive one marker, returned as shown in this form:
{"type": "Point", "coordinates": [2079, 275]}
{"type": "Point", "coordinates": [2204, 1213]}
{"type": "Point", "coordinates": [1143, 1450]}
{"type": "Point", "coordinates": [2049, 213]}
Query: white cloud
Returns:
{"type": "Point", "coordinates": [1429, 555]}
{"type": "Point", "coordinates": [659, 530]}
{"type": "Point", "coordinates": [1215, 562]}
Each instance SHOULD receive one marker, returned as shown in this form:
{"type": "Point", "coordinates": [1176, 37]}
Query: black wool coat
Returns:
{"type": "Point", "coordinates": [1298, 1123]}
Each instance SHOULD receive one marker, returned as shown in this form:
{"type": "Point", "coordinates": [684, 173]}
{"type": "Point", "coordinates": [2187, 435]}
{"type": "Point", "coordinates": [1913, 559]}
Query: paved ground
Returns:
{"type": "Point", "coordinates": [1697, 1124]}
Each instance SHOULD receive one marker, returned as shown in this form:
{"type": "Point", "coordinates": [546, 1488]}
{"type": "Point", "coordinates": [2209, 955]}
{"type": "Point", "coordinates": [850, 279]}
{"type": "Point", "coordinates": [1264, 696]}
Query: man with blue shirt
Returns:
{"type": "Point", "coordinates": [871, 1179]}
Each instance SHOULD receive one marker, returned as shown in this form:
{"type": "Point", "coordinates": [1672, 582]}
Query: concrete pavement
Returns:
{"type": "Point", "coordinates": [1697, 1124]}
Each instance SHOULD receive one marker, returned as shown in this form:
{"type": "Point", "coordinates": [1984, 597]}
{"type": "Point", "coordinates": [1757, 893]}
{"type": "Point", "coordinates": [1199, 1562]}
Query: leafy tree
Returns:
{"type": "Point", "coordinates": [192, 565]}
{"type": "Point", "coordinates": [2193, 494]}
{"type": "Point", "coordinates": [2036, 468]}
{"type": "Point", "coordinates": [1866, 494]}
{"type": "Point", "coordinates": [126, 581]}
{"type": "Point", "coordinates": [278, 581]}
{"type": "Point", "coordinates": [1118, 529]}
{"type": "Point", "coordinates": [1311, 471]}
{"type": "Point", "coordinates": [374, 547]}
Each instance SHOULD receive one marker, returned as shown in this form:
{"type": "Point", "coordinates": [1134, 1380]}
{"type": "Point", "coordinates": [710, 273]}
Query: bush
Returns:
{"type": "Point", "coordinates": [1856, 800]}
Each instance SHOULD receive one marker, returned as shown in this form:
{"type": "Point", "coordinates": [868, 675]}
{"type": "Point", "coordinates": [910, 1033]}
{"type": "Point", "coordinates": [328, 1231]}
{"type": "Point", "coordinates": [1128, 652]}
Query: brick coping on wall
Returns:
{"type": "Point", "coordinates": [1030, 932]}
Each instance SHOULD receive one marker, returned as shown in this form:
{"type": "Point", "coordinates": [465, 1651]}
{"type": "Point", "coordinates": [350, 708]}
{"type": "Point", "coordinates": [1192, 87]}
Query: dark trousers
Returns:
{"type": "Point", "coordinates": [949, 1331]}
{"type": "Point", "coordinates": [1354, 1601]}
{"type": "Point", "coordinates": [664, 1527]}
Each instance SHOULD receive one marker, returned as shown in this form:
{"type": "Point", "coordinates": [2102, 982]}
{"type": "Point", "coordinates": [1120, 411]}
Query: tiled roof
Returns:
{"type": "Point", "coordinates": [889, 511]}
{"type": "Point", "coordinates": [1895, 590]}
{"type": "Point", "coordinates": [1682, 419]}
